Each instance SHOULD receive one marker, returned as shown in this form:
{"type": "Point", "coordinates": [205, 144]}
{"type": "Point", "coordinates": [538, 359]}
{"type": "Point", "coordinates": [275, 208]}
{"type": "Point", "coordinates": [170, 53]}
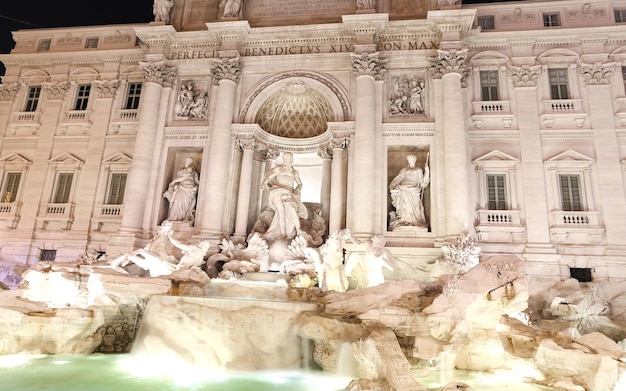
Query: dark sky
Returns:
{"type": "Point", "coordinates": [24, 14]}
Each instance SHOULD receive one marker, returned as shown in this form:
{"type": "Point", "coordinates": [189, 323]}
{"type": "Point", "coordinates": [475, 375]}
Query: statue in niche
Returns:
{"type": "Point", "coordinates": [281, 219]}
{"type": "Point", "coordinates": [161, 10]}
{"type": "Point", "coordinates": [232, 8]}
{"type": "Point", "coordinates": [407, 95]}
{"type": "Point", "coordinates": [181, 193]}
{"type": "Point", "coordinates": [189, 104]}
{"type": "Point", "coordinates": [407, 191]}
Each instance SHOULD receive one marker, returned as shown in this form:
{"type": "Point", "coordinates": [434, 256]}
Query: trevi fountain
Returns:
{"type": "Point", "coordinates": [294, 307]}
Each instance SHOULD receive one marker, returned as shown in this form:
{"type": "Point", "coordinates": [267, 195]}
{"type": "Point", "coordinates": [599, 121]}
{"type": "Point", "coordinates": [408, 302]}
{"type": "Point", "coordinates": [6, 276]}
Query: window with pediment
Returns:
{"type": "Point", "coordinates": [112, 188]}
{"type": "Point", "coordinates": [13, 170]}
{"type": "Point", "coordinates": [498, 213]}
{"type": "Point", "coordinates": [61, 184]}
{"type": "Point", "coordinates": [573, 215]}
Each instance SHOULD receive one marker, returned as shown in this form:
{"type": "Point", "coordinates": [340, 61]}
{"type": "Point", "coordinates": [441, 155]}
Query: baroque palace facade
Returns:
{"type": "Point", "coordinates": [518, 109]}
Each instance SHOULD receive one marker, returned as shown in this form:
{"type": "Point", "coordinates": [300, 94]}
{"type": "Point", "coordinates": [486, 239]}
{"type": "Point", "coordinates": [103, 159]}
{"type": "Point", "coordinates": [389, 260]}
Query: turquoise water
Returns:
{"type": "Point", "coordinates": [124, 373]}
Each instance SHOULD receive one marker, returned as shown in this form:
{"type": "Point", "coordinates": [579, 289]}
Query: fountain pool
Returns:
{"type": "Point", "coordinates": [129, 373]}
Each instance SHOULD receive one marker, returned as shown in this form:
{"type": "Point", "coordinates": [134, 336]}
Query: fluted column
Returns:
{"type": "Point", "coordinates": [451, 68]}
{"type": "Point", "coordinates": [337, 186]}
{"type": "Point", "coordinates": [326, 157]}
{"type": "Point", "coordinates": [367, 68]}
{"type": "Point", "coordinates": [245, 186]}
{"type": "Point", "coordinates": [605, 142]}
{"type": "Point", "coordinates": [217, 152]}
{"type": "Point", "coordinates": [156, 77]}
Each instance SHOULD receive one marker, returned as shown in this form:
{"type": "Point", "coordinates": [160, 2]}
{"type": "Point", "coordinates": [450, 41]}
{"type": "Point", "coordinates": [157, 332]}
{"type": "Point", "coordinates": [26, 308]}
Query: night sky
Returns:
{"type": "Point", "coordinates": [25, 14]}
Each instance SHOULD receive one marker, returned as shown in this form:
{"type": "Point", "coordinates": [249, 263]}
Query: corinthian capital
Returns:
{"type": "Point", "coordinates": [106, 88]}
{"type": "Point", "coordinates": [369, 64]}
{"type": "Point", "coordinates": [9, 91]}
{"type": "Point", "coordinates": [596, 73]}
{"type": "Point", "coordinates": [56, 90]}
{"type": "Point", "coordinates": [449, 61]}
{"type": "Point", "coordinates": [226, 69]}
{"type": "Point", "coordinates": [525, 76]}
{"type": "Point", "coordinates": [158, 72]}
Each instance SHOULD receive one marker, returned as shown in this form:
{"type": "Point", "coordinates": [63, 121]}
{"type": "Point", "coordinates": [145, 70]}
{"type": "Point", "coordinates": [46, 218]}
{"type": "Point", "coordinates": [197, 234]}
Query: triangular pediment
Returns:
{"type": "Point", "coordinates": [496, 155]}
{"type": "Point", "coordinates": [118, 158]}
{"type": "Point", "coordinates": [569, 160]}
{"type": "Point", "coordinates": [570, 156]}
{"type": "Point", "coordinates": [14, 161]}
{"type": "Point", "coordinates": [65, 159]}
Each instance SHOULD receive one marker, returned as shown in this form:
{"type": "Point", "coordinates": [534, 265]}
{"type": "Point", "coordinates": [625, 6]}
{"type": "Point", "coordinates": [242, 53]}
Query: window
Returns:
{"type": "Point", "coordinates": [132, 96]}
{"type": "Point", "coordinates": [11, 184]}
{"type": "Point", "coordinates": [489, 85]}
{"type": "Point", "coordinates": [558, 83]}
{"type": "Point", "coordinates": [47, 255]}
{"type": "Point", "coordinates": [624, 77]}
{"type": "Point", "coordinates": [116, 189]}
{"type": "Point", "coordinates": [82, 97]}
{"type": "Point", "coordinates": [496, 192]}
{"type": "Point", "coordinates": [620, 16]}
{"type": "Point", "coordinates": [486, 22]}
{"type": "Point", "coordinates": [44, 45]}
{"type": "Point", "coordinates": [570, 193]}
{"type": "Point", "coordinates": [551, 20]}
{"type": "Point", "coordinates": [91, 43]}
{"type": "Point", "coordinates": [33, 98]}
{"type": "Point", "coordinates": [63, 187]}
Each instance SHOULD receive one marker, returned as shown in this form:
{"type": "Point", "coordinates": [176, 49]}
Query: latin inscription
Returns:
{"type": "Point", "coordinates": [298, 8]}
{"type": "Point", "coordinates": [305, 49]}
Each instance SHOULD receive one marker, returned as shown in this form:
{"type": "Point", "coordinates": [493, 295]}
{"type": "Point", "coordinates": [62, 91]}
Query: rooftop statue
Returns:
{"type": "Point", "coordinates": [161, 10]}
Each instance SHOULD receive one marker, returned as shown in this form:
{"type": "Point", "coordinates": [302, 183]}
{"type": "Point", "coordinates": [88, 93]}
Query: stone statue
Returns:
{"type": "Point", "coordinates": [367, 269]}
{"type": "Point", "coordinates": [157, 260]}
{"type": "Point", "coordinates": [407, 190]}
{"type": "Point", "coordinates": [161, 10]}
{"type": "Point", "coordinates": [185, 100]}
{"type": "Point", "coordinates": [198, 108]}
{"type": "Point", "coordinates": [193, 254]}
{"type": "Point", "coordinates": [332, 274]}
{"type": "Point", "coordinates": [181, 193]}
{"type": "Point", "coordinates": [284, 201]}
{"type": "Point", "coordinates": [232, 8]}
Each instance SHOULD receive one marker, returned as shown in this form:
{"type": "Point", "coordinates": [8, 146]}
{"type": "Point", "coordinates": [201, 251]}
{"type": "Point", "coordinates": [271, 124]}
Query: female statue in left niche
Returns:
{"type": "Point", "coordinates": [181, 193]}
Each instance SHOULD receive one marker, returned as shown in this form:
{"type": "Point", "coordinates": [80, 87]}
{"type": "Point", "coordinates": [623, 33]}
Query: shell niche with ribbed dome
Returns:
{"type": "Point", "coordinates": [296, 111]}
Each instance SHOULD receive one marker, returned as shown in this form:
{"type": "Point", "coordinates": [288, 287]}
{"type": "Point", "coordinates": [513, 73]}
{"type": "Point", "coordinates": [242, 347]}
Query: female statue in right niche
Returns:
{"type": "Point", "coordinates": [181, 193]}
{"type": "Point", "coordinates": [407, 192]}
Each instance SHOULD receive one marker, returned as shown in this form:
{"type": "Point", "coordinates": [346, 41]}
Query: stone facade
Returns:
{"type": "Point", "coordinates": [521, 122]}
